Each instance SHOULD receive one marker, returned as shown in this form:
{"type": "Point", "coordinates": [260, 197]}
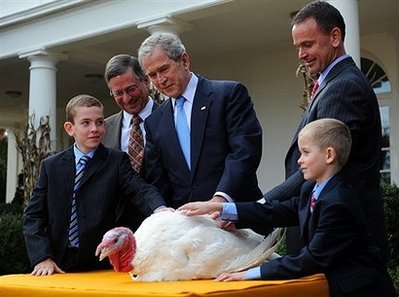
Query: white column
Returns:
{"type": "Point", "coordinates": [12, 166]}
{"type": "Point", "coordinates": [165, 24]}
{"type": "Point", "coordinates": [42, 89]}
{"type": "Point", "coordinates": [350, 11]}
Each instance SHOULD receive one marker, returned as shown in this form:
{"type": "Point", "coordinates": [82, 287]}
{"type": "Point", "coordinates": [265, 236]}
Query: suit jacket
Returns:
{"type": "Point", "coordinates": [226, 146]}
{"type": "Point", "coordinates": [130, 217]}
{"type": "Point", "coordinates": [336, 236]}
{"type": "Point", "coordinates": [108, 180]}
{"type": "Point", "coordinates": [346, 95]}
{"type": "Point", "coordinates": [113, 129]}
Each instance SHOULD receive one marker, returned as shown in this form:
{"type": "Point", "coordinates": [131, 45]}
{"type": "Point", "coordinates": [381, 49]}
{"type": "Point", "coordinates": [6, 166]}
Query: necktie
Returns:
{"type": "Point", "coordinates": [136, 143]}
{"type": "Point", "coordinates": [183, 132]}
{"type": "Point", "coordinates": [313, 92]}
{"type": "Point", "coordinates": [73, 225]}
{"type": "Point", "coordinates": [312, 202]}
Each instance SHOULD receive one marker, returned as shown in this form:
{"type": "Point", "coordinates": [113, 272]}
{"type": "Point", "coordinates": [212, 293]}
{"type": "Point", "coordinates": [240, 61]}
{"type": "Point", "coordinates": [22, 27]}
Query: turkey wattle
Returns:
{"type": "Point", "coordinates": [170, 246]}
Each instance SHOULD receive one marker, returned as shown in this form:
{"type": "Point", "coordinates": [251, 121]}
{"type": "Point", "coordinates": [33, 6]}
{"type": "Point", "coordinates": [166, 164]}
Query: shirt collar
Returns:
{"type": "Point", "coordinates": [143, 114]}
{"type": "Point", "coordinates": [189, 92]}
{"type": "Point", "coordinates": [326, 71]}
{"type": "Point", "coordinates": [319, 187]}
{"type": "Point", "coordinates": [79, 154]}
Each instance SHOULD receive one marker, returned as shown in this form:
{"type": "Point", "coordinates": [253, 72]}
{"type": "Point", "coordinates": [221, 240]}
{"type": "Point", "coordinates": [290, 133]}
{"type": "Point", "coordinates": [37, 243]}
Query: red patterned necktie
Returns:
{"type": "Point", "coordinates": [136, 143]}
{"type": "Point", "coordinates": [314, 89]}
{"type": "Point", "coordinates": [312, 201]}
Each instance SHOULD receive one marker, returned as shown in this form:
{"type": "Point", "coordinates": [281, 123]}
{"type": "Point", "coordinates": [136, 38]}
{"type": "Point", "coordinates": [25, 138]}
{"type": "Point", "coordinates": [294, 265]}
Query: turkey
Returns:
{"type": "Point", "coordinates": [169, 246]}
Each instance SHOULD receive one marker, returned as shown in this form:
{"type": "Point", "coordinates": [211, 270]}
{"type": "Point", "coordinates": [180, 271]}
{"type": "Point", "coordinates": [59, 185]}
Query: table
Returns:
{"type": "Point", "coordinates": [113, 284]}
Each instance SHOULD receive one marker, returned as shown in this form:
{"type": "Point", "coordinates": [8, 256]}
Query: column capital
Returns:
{"type": "Point", "coordinates": [165, 24]}
{"type": "Point", "coordinates": [41, 52]}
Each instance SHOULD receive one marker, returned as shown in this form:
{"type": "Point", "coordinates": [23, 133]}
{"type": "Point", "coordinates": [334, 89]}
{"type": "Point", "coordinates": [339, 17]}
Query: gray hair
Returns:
{"type": "Point", "coordinates": [168, 42]}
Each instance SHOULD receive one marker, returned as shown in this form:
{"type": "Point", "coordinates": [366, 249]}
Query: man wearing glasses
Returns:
{"type": "Point", "coordinates": [129, 86]}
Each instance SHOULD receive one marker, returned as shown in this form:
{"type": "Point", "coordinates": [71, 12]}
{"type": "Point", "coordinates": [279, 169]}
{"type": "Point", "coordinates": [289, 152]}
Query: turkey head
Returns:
{"type": "Point", "coordinates": [119, 246]}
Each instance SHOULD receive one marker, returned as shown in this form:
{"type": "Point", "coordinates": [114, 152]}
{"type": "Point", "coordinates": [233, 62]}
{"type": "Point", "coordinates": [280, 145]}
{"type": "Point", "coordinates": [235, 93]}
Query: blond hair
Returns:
{"type": "Point", "coordinates": [330, 133]}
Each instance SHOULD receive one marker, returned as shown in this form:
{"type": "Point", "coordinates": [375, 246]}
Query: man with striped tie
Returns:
{"type": "Point", "coordinates": [80, 194]}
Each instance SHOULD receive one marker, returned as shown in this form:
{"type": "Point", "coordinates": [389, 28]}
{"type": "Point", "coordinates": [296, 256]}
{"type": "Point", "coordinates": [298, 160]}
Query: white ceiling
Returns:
{"type": "Point", "coordinates": [234, 26]}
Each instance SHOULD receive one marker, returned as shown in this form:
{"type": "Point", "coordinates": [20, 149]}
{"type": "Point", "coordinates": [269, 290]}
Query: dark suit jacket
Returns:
{"type": "Point", "coordinates": [226, 146]}
{"type": "Point", "coordinates": [131, 217]}
{"type": "Point", "coordinates": [336, 236]}
{"type": "Point", "coordinates": [108, 180]}
{"type": "Point", "coordinates": [346, 95]}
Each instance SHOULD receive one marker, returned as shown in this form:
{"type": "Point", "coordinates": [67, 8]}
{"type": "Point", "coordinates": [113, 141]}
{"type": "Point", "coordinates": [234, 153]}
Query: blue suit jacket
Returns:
{"type": "Point", "coordinates": [336, 237]}
{"type": "Point", "coordinates": [107, 182]}
{"type": "Point", "coordinates": [346, 95]}
{"type": "Point", "coordinates": [226, 146]}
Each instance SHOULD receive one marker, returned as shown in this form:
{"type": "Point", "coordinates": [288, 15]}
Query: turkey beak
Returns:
{"type": "Point", "coordinates": [103, 252]}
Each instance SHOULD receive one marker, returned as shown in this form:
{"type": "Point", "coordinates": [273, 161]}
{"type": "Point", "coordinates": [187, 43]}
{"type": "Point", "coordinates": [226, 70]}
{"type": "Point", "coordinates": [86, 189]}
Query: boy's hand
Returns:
{"type": "Point", "coordinates": [46, 267]}
{"type": "Point", "coordinates": [233, 276]}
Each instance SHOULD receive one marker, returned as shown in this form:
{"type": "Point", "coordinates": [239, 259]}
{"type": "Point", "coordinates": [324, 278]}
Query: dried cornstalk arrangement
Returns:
{"type": "Point", "coordinates": [34, 144]}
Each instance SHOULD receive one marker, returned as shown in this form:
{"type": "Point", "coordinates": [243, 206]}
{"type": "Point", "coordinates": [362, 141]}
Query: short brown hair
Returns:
{"type": "Point", "coordinates": [330, 133]}
{"type": "Point", "coordinates": [79, 101]}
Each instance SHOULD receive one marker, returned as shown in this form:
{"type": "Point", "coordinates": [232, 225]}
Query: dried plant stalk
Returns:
{"type": "Point", "coordinates": [308, 81]}
{"type": "Point", "coordinates": [34, 144]}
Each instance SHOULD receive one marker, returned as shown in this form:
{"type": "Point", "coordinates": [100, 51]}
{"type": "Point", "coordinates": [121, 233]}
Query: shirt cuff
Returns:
{"type": "Point", "coordinates": [229, 212]}
{"type": "Point", "coordinates": [225, 196]}
{"type": "Point", "coordinates": [253, 273]}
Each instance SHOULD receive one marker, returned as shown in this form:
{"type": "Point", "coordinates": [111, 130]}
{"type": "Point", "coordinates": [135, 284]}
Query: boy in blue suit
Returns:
{"type": "Point", "coordinates": [331, 220]}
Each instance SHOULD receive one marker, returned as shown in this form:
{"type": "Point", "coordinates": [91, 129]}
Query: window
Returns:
{"type": "Point", "coordinates": [385, 150]}
{"type": "Point", "coordinates": [380, 83]}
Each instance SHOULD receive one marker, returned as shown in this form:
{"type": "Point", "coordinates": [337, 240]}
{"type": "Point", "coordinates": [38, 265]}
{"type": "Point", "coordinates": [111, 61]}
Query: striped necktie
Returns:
{"type": "Point", "coordinates": [183, 132]}
{"type": "Point", "coordinates": [73, 234]}
{"type": "Point", "coordinates": [136, 143]}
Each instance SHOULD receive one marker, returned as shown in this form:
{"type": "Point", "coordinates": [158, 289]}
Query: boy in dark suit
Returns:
{"type": "Point", "coordinates": [331, 220]}
{"type": "Point", "coordinates": [79, 193]}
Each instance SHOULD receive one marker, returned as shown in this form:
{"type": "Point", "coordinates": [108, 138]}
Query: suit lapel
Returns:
{"type": "Point", "coordinates": [68, 174]}
{"type": "Point", "coordinates": [199, 115]}
{"type": "Point", "coordinates": [334, 72]}
{"type": "Point", "coordinates": [95, 163]}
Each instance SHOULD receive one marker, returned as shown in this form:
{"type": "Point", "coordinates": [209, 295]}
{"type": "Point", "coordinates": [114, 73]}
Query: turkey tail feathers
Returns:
{"type": "Point", "coordinates": [260, 253]}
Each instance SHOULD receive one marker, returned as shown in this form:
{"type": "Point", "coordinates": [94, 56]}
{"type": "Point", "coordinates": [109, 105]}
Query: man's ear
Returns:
{"type": "Point", "coordinates": [336, 37]}
{"type": "Point", "coordinates": [68, 127]}
{"type": "Point", "coordinates": [331, 155]}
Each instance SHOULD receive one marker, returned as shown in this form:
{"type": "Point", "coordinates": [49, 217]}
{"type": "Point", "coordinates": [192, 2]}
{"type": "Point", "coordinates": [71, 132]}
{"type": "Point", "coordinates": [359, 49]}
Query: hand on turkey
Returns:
{"type": "Point", "coordinates": [201, 208]}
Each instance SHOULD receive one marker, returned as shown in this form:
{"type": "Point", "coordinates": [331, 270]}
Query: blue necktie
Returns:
{"type": "Point", "coordinates": [183, 132]}
{"type": "Point", "coordinates": [73, 234]}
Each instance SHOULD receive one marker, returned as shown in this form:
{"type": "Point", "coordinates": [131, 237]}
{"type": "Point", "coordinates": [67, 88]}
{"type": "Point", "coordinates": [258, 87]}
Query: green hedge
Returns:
{"type": "Point", "coordinates": [13, 256]}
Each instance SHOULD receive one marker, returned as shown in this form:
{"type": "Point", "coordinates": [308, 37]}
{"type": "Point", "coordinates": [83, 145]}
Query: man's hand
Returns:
{"type": "Point", "coordinates": [46, 267]}
{"type": "Point", "coordinates": [201, 208]}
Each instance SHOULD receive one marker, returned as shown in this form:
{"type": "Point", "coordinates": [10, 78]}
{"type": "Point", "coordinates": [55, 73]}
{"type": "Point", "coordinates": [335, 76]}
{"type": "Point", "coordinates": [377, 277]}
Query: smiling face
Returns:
{"type": "Point", "coordinates": [315, 161]}
{"type": "Point", "coordinates": [87, 127]}
{"type": "Point", "coordinates": [129, 92]}
{"type": "Point", "coordinates": [316, 48]}
{"type": "Point", "coordinates": [170, 77]}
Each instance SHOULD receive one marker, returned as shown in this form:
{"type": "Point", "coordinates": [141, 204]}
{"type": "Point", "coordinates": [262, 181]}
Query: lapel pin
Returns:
{"type": "Point", "coordinates": [203, 107]}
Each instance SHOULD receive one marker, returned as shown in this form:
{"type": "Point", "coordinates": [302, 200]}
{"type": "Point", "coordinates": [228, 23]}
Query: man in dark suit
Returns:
{"type": "Point", "coordinates": [94, 197]}
{"type": "Point", "coordinates": [331, 219]}
{"type": "Point", "coordinates": [224, 135]}
{"type": "Point", "coordinates": [344, 93]}
{"type": "Point", "coordinates": [129, 86]}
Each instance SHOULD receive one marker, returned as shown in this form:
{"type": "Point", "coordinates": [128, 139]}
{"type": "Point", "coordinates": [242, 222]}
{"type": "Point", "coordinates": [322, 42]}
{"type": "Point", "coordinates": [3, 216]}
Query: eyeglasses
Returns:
{"type": "Point", "coordinates": [129, 90]}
